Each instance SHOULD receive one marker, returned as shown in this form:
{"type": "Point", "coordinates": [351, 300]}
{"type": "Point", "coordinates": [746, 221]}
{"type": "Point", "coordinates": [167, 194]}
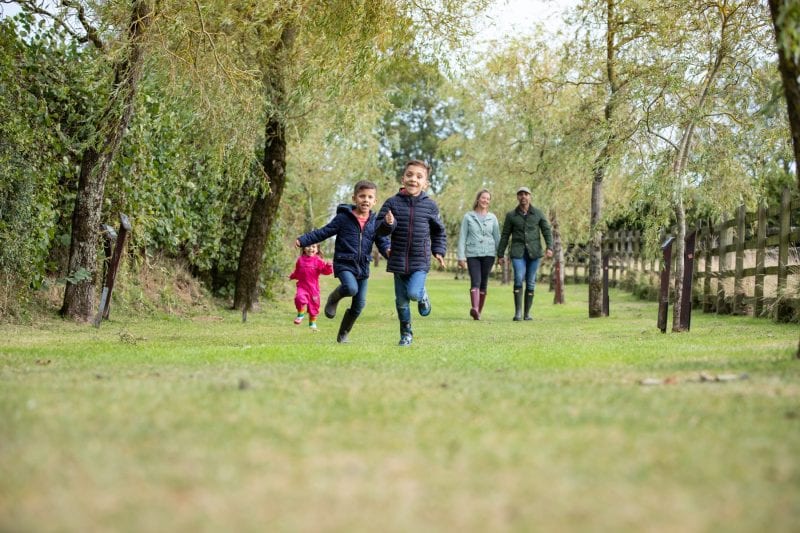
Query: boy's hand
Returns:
{"type": "Point", "coordinates": [389, 218]}
{"type": "Point", "coordinates": [297, 243]}
{"type": "Point", "coordinates": [501, 260]}
{"type": "Point", "coordinates": [440, 258]}
{"type": "Point", "coordinates": [548, 253]}
{"type": "Point", "coordinates": [462, 264]}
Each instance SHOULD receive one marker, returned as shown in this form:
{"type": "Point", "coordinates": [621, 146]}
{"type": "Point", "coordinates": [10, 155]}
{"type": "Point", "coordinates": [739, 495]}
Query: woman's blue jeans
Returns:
{"type": "Point", "coordinates": [408, 287]}
{"type": "Point", "coordinates": [525, 269]}
{"type": "Point", "coordinates": [357, 288]}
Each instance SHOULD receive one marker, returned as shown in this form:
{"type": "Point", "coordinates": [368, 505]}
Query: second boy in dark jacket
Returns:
{"type": "Point", "coordinates": [417, 233]}
{"type": "Point", "coordinates": [355, 230]}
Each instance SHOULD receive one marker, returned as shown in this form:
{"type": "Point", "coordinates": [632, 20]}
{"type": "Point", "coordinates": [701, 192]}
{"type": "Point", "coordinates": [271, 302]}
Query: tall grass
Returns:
{"type": "Point", "coordinates": [208, 423]}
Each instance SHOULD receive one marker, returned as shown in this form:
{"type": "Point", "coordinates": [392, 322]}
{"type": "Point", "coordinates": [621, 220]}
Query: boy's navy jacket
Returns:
{"type": "Point", "coordinates": [417, 233]}
{"type": "Point", "coordinates": [353, 249]}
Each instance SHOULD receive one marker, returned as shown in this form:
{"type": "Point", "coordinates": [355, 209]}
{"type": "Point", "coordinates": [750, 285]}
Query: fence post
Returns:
{"type": "Point", "coordinates": [761, 245]}
{"type": "Point", "coordinates": [558, 297]}
{"type": "Point", "coordinates": [688, 275]}
{"type": "Point", "coordinates": [722, 268]}
{"type": "Point", "coordinates": [708, 257]}
{"type": "Point", "coordinates": [111, 274]}
{"type": "Point", "coordinates": [738, 278]}
{"type": "Point", "coordinates": [783, 312]}
{"type": "Point", "coordinates": [663, 300]}
{"type": "Point", "coordinates": [605, 309]}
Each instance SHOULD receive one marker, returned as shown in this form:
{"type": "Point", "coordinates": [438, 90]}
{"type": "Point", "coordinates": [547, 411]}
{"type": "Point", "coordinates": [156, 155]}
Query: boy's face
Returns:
{"type": "Point", "coordinates": [415, 179]}
{"type": "Point", "coordinates": [364, 200]}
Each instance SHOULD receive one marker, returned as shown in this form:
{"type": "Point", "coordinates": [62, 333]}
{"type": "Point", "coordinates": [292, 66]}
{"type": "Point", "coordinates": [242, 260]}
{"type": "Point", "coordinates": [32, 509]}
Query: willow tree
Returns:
{"type": "Point", "coordinates": [319, 54]}
{"type": "Point", "coordinates": [700, 54]}
{"type": "Point", "coordinates": [786, 21]}
{"type": "Point", "coordinates": [617, 27]}
{"type": "Point", "coordinates": [98, 156]}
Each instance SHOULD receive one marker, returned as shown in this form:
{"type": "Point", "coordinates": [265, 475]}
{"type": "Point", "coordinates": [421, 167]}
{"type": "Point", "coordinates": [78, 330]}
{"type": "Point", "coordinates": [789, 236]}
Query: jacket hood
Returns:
{"type": "Point", "coordinates": [349, 208]}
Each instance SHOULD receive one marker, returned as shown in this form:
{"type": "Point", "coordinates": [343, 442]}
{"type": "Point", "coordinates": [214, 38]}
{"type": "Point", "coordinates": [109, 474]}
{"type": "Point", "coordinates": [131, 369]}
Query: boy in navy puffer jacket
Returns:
{"type": "Point", "coordinates": [412, 219]}
{"type": "Point", "coordinates": [354, 227]}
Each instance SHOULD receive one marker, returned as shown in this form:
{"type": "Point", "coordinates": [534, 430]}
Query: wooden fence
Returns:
{"type": "Point", "coordinates": [748, 265]}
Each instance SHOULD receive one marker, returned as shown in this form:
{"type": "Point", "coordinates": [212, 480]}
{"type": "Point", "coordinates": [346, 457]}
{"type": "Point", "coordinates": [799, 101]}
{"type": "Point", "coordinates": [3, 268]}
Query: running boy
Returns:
{"type": "Point", "coordinates": [354, 227]}
{"type": "Point", "coordinates": [411, 217]}
{"type": "Point", "coordinates": [309, 267]}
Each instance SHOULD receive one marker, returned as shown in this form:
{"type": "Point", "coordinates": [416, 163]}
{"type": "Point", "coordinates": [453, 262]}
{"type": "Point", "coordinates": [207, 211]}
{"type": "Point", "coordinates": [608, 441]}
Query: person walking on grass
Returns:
{"type": "Point", "coordinates": [412, 220]}
{"type": "Point", "coordinates": [477, 244]}
{"type": "Point", "coordinates": [354, 226]}
{"type": "Point", "coordinates": [307, 270]}
{"type": "Point", "coordinates": [525, 226]}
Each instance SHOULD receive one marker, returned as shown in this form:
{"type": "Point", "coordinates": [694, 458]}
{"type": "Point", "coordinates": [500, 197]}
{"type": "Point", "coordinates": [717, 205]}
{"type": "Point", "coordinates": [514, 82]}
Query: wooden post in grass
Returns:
{"type": "Point", "coordinates": [111, 272]}
{"type": "Point", "coordinates": [605, 285]}
{"type": "Point", "coordinates": [708, 244]}
{"type": "Point", "coordinates": [761, 245]}
{"type": "Point", "coordinates": [688, 276]}
{"type": "Point", "coordinates": [738, 278]}
{"type": "Point", "coordinates": [663, 299]}
{"type": "Point", "coordinates": [722, 269]}
{"type": "Point", "coordinates": [783, 311]}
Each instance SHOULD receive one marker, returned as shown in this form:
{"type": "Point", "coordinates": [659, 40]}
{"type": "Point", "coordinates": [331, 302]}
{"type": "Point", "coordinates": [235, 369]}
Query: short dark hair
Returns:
{"type": "Point", "coordinates": [364, 184]}
{"type": "Point", "coordinates": [418, 163]}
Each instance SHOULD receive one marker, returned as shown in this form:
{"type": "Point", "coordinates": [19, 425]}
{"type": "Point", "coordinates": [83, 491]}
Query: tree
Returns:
{"type": "Point", "coordinates": [786, 21]}
{"type": "Point", "coordinates": [98, 157]}
{"type": "Point", "coordinates": [334, 43]}
{"type": "Point", "coordinates": [708, 49]}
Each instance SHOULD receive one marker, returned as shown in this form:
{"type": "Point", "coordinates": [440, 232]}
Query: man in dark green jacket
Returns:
{"type": "Point", "coordinates": [525, 226]}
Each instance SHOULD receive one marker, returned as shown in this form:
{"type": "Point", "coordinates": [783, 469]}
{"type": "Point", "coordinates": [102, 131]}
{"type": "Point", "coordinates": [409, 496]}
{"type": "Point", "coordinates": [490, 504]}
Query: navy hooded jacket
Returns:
{"type": "Point", "coordinates": [353, 249]}
{"type": "Point", "coordinates": [417, 233]}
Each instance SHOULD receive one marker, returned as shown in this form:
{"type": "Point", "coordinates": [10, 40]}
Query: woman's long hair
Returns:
{"type": "Point", "coordinates": [478, 197]}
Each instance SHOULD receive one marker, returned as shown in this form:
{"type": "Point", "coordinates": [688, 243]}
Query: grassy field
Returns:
{"type": "Point", "coordinates": [209, 424]}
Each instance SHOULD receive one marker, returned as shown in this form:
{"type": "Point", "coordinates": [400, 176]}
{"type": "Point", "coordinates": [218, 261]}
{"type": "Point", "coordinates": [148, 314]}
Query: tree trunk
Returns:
{"type": "Point", "coordinates": [600, 166]}
{"type": "Point", "coordinates": [262, 216]}
{"type": "Point", "coordinates": [596, 249]}
{"type": "Point", "coordinates": [783, 18]}
{"type": "Point", "coordinates": [677, 253]}
{"type": "Point", "coordinates": [557, 276]}
{"type": "Point", "coordinates": [95, 165]}
{"type": "Point", "coordinates": [265, 209]}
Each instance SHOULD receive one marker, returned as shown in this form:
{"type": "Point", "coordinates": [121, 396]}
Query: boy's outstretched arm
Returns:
{"type": "Point", "coordinates": [320, 234]}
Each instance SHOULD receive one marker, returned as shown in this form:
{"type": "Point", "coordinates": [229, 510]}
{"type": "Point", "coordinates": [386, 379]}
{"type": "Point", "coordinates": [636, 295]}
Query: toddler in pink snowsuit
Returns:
{"type": "Point", "coordinates": [307, 270]}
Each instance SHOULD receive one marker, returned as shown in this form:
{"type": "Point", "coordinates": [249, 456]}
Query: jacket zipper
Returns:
{"type": "Point", "coordinates": [410, 231]}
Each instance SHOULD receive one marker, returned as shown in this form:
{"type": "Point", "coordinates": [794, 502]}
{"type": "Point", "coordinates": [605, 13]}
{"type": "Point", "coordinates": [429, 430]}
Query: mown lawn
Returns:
{"type": "Point", "coordinates": [209, 424]}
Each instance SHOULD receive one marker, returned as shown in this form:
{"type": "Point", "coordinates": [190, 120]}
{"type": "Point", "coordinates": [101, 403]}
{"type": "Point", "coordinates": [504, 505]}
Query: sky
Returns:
{"type": "Point", "coordinates": [510, 17]}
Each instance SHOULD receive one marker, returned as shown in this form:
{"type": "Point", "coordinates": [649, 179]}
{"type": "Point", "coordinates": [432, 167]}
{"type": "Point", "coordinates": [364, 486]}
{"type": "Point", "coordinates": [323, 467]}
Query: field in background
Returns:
{"type": "Point", "coordinates": [209, 424]}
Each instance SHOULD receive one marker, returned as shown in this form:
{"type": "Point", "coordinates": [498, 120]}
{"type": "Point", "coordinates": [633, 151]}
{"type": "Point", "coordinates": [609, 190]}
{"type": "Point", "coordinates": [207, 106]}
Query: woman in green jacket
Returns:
{"type": "Point", "coordinates": [525, 226]}
{"type": "Point", "coordinates": [480, 235]}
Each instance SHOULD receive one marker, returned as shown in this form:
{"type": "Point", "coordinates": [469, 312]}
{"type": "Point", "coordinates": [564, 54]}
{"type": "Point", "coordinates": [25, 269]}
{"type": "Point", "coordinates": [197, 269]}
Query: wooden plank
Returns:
{"type": "Point", "coordinates": [738, 283]}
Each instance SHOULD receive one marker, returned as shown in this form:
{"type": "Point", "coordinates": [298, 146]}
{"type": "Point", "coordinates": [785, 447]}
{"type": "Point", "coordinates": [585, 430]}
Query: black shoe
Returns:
{"type": "Point", "coordinates": [333, 301]}
{"type": "Point", "coordinates": [424, 305]}
{"type": "Point", "coordinates": [347, 324]}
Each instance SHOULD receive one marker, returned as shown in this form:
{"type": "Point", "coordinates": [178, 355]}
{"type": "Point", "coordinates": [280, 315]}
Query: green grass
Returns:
{"type": "Point", "coordinates": [206, 423]}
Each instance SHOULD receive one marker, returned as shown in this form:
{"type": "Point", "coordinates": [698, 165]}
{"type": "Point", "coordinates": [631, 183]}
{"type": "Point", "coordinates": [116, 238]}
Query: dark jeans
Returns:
{"type": "Point", "coordinates": [479, 270]}
{"type": "Point", "coordinates": [357, 288]}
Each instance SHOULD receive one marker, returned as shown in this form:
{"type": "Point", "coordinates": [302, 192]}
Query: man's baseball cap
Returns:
{"type": "Point", "coordinates": [523, 189]}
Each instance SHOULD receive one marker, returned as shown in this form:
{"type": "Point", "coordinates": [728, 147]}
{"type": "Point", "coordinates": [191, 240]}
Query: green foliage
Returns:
{"type": "Point", "coordinates": [47, 100]}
